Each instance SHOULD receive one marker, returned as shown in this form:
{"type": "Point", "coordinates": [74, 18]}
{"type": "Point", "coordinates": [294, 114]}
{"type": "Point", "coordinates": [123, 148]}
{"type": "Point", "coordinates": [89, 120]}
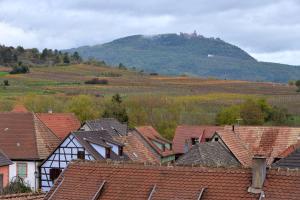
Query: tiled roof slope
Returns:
{"type": "Point", "coordinates": [291, 161]}
{"type": "Point", "coordinates": [186, 132]}
{"type": "Point", "coordinates": [113, 126]}
{"type": "Point", "coordinates": [135, 182]}
{"type": "Point", "coordinates": [208, 154]}
{"type": "Point", "coordinates": [150, 135]}
{"type": "Point", "coordinates": [4, 160]}
{"type": "Point", "coordinates": [22, 136]}
{"type": "Point", "coordinates": [61, 124]}
{"type": "Point", "coordinates": [82, 180]}
{"type": "Point", "coordinates": [237, 147]}
{"type": "Point", "coordinates": [246, 141]}
{"type": "Point", "coordinates": [23, 196]}
{"type": "Point", "coordinates": [136, 148]}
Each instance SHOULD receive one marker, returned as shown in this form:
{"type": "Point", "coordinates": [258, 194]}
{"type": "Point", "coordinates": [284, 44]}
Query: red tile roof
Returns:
{"type": "Point", "coordinates": [82, 180]}
{"type": "Point", "coordinates": [60, 123]}
{"type": "Point", "coordinates": [150, 135]}
{"type": "Point", "coordinates": [246, 141]}
{"type": "Point", "coordinates": [186, 132]}
{"type": "Point", "coordinates": [23, 136]}
{"type": "Point", "coordinates": [136, 148]}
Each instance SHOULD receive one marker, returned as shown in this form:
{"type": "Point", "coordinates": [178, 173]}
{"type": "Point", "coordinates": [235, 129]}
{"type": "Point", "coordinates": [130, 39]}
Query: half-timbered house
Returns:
{"type": "Point", "coordinates": [87, 145]}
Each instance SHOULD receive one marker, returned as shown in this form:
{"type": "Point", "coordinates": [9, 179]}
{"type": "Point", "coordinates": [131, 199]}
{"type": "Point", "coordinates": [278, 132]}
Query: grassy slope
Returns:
{"type": "Point", "coordinates": [69, 80]}
{"type": "Point", "coordinates": [162, 101]}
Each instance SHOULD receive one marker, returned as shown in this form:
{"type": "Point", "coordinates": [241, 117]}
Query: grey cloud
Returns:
{"type": "Point", "coordinates": [263, 27]}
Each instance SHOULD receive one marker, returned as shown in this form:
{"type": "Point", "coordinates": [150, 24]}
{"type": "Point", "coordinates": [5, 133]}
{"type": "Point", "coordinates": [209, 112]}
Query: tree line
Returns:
{"type": "Point", "coordinates": [11, 56]}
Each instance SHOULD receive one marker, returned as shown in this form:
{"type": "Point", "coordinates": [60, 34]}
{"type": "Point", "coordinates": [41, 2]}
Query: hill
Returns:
{"type": "Point", "coordinates": [189, 54]}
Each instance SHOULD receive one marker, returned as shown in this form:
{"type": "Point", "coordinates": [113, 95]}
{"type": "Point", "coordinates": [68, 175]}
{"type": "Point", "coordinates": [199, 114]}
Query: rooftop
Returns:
{"type": "Point", "coordinates": [105, 180]}
{"type": "Point", "coordinates": [61, 124]}
{"type": "Point", "coordinates": [186, 132]}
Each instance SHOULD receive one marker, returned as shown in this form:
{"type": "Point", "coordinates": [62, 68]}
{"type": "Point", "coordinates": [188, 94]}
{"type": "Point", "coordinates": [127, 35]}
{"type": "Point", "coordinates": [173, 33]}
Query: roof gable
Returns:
{"type": "Point", "coordinates": [291, 161]}
{"type": "Point", "coordinates": [150, 135]}
{"type": "Point", "coordinates": [61, 124]}
{"type": "Point", "coordinates": [208, 154]}
{"type": "Point", "coordinates": [186, 132]}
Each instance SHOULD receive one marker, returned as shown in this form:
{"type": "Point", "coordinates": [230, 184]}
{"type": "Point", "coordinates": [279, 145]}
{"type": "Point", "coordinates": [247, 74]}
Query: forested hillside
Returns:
{"type": "Point", "coordinates": [189, 54]}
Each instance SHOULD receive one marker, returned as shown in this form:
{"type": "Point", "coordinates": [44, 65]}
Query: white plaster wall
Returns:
{"type": "Point", "coordinates": [31, 168]}
{"type": "Point", "coordinates": [115, 148]}
{"type": "Point", "coordinates": [99, 149]}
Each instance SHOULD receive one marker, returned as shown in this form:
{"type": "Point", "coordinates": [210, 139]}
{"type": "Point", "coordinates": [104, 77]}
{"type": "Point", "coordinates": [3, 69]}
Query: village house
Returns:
{"type": "Point", "coordinates": [96, 180]}
{"type": "Point", "coordinates": [187, 135]}
{"type": "Point", "coordinates": [142, 144]}
{"type": "Point", "coordinates": [26, 141]}
{"type": "Point", "coordinates": [4, 170]}
{"type": "Point", "coordinates": [85, 145]}
{"type": "Point", "coordinates": [161, 147]}
{"type": "Point", "coordinates": [290, 158]}
{"type": "Point", "coordinates": [246, 141]}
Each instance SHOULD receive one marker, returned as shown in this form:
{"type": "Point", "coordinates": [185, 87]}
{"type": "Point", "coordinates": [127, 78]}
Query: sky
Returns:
{"type": "Point", "coordinates": [267, 29]}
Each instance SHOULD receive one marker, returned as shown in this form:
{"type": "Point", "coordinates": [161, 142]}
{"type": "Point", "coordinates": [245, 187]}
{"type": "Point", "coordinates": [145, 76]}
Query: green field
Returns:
{"type": "Point", "coordinates": [162, 101]}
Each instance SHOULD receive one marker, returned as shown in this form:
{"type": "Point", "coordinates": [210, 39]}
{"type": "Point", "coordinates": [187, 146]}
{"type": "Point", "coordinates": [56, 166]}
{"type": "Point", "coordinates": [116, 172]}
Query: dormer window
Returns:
{"type": "Point", "coordinates": [216, 139]}
{"type": "Point", "coordinates": [120, 151]}
{"type": "Point", "coordinates": [107, 153]}
{"type": "Point", "coordinates": [170, 145]}
{"type": "Point", "coordinates": [194, 141]}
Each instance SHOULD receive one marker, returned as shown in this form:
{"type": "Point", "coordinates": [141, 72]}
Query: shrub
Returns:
{"type": "Point", "coordinates": [16, 186]}
{"type": "Point", "coordinates": [6, 83]}
{"type": "Point", "coordinates": [97, 81]}
{"type": "Point", "coordinates": [19, 70]}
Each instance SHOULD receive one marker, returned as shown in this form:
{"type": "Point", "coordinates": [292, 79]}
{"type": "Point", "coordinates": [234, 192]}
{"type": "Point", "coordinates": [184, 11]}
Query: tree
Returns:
{"type": "Point", "coordinates": [297, 83]}
{"type": "Point", "coordinates": [228, 115]}
{"type": "Point", "coordinates": [116, 109]}
{"type": "Point", "coordinates": [66, 58]}
{"type": "Point", "coordinates": [251, 113]}
{"type": "Point", "coordinates": [279, 116]}
{"type": "Point", "coordinates": [83, 107]}
{"type": "Point", "coordinates": [6, 83]}
{"type": "Point", "coordinates": [76, 57]}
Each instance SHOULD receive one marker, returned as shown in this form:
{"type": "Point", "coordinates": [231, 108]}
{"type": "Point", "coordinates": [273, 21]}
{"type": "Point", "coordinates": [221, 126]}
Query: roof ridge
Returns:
{"type": "Point", "coordinates": [132, 164]}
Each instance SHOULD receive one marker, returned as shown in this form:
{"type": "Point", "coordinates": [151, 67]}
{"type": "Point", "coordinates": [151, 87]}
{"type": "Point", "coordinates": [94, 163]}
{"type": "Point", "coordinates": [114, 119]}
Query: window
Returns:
{"type": "Point", "coordinates": [120, 151]}
{"type": "Point", "coordinates": [54, 173]}
{"type": "Point", "coordinates": [195, 141]}
{"type": "Point", "coordinates": [107, 153]}
{"type": "Point", "coordinates": [216, 139]}
{"type": "Point", "coordinates": [170, 147]}
{"type": "Point", "coordinates": [81, 155]}
{"type": "Point", "coordinates": [163, 147]}
{"type": "Point", "coordinates": [22, 170]}
{"type": "Point", "coordinates": [207, 139]}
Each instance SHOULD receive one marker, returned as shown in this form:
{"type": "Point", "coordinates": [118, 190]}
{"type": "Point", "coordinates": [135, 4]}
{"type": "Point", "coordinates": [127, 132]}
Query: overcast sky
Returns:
{"type": "Point", "coordinates": [268, 29]}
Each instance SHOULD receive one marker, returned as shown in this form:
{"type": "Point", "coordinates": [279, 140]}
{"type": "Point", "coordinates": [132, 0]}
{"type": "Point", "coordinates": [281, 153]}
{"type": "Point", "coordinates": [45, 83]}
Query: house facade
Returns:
{"type": "Point", "coordinates": [26, 142]}
{"type": "Point", "coordinates": [5, 162]}
{"type": "Point", "coordinates": [85, 145]}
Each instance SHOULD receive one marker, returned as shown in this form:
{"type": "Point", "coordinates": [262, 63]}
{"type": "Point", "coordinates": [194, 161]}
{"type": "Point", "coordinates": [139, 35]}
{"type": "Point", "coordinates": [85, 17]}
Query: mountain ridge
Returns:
{"type": "Point", "coordinates": [191, 54]}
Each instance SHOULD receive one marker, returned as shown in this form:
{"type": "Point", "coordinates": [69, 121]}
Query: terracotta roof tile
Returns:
{"type": "Point", "coordinates": [186, 132]}
{"type": "Point", "coordinates": [61, 124]}
{"type": "Point", "coordinates": [150, 135]}
{"type": "Point", "coordinates": [136, 148]}
{"type": "Point", "coordinates": [82, 180]}
{"type": "Point", "coordinates": [246, 141]}
{"type": "Point", "coordinates": [22, 136]}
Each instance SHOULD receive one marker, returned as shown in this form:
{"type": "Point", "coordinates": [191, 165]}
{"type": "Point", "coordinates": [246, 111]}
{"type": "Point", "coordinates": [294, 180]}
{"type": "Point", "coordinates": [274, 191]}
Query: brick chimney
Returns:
{"type": "Point", "coordinates": [259, 171]}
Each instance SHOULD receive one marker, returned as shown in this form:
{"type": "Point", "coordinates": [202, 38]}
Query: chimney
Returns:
{"type": "Point", "coordinates": [233, 127]}
{"type": "Point", "coordinates": [186, 146]}
{"type": "Point", "coordinates": [259, 170]}
{"type": "Point", "coordinates": [50, 111]}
